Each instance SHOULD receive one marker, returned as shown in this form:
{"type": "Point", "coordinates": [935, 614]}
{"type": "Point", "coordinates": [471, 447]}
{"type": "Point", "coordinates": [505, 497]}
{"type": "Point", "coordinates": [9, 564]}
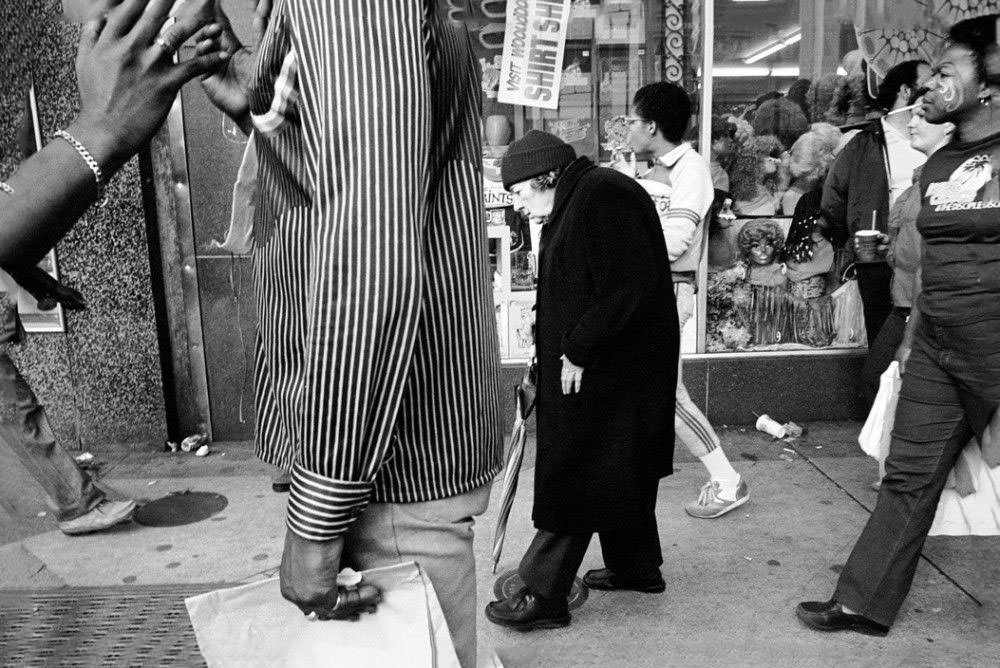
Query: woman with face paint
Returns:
{"type": "Point", "coordinates": [950, 355]}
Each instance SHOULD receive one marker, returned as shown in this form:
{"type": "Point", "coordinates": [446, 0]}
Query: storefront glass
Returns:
{"type": "Point", "coordinates": [613, 48]}
{"type": "Point", "coordinates": [769, 286]}
{"type": "Point", "coordinates": [776, 68]}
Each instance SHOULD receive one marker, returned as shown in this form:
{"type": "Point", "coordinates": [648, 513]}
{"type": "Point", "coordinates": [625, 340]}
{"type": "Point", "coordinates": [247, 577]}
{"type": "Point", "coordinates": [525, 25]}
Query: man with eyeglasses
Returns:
{"type": "Point", "coordinates": [680, 183]}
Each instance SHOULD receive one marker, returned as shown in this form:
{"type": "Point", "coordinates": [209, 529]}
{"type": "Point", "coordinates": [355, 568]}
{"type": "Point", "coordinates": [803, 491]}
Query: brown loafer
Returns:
{"type": "Point", "coordinates": [830, 616]}
{"type": "Point", "coordinates": [607, 580]}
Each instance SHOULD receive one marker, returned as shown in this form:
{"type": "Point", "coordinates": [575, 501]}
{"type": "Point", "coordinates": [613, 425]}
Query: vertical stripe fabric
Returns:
{"type": "Point", "coordinates": [377, 360]}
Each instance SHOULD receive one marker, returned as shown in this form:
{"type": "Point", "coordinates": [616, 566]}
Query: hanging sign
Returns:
{"type": "Point", "coordinates": [533, 46]}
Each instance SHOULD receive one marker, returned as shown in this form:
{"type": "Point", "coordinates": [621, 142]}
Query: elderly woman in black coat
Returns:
{"type": "Point", "coordinates": [607, 342]}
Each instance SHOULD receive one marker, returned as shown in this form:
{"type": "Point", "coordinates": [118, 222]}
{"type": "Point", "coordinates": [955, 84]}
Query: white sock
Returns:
{"type": "Point", "coordinates": [722, 472]}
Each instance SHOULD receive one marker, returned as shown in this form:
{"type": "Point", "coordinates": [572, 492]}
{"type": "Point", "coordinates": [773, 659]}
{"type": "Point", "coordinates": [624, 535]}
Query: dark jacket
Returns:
{"type": "Point", "coordinates": [857, 185]}
{"type": "Point", "coordinates": [605, 300]}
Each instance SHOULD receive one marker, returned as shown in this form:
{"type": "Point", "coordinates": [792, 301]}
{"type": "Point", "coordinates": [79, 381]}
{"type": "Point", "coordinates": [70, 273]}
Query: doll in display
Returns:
{"type": "Point", "coordinates": [760, 243]}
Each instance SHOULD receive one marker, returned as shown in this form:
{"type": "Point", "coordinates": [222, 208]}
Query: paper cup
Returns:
{"type": "Point", "coordinates": [866, 246]}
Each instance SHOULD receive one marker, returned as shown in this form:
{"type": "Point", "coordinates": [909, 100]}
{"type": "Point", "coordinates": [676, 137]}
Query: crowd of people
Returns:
{"type": "Point", "coordinates": [392, 442]}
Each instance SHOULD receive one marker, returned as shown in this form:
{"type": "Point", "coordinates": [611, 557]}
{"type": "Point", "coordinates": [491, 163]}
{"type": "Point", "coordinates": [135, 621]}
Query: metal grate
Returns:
{"type": "Point", "coordinates": [110, 626]}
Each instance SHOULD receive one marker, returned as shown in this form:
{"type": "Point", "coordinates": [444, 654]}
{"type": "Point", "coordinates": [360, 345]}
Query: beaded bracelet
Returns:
{"type": "Point", "coordinates": [6, 188]}
{"type": "Point", "coordinates": [88, 158]}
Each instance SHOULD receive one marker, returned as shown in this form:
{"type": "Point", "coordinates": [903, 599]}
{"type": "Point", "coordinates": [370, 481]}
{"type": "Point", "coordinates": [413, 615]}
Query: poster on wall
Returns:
{"type": "Point", "coordinates": [533, 49]}
{"type": "Point", "coordinates": [33, 318]}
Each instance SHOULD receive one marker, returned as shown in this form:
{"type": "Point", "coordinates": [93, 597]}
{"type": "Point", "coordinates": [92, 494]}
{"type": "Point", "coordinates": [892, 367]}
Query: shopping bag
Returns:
{"type": "Point", "coordinates": [252, 625]}
{"type": "Point", "coordinates": [877, 432]}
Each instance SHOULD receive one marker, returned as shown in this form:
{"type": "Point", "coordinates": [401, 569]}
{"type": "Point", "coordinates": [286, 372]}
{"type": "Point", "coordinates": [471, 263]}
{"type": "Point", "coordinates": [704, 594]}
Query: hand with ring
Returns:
{"type": "Point", "coordinates": [309, 580]}
{"type": "Point", "coordinates": [127, 85]}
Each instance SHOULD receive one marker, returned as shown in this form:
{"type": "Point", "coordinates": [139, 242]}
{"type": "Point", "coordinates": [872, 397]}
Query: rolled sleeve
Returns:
{"type": "Point", "coordinates": [322, 508]}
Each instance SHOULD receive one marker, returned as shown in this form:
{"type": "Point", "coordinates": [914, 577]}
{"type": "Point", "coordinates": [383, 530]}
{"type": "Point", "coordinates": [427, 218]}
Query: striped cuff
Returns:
{"type": "Point", "coordinates": [322, 508]}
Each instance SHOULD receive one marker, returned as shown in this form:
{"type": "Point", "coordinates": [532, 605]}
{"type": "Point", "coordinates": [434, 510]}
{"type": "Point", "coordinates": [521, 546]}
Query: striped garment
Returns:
{"type": "Point", "coordinates": [377, 360]}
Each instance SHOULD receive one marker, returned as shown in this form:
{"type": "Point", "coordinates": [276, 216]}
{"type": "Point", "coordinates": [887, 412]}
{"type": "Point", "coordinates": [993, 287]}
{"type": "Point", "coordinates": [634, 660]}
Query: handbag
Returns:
{"type": "Point", "coordinates": [876, 434]}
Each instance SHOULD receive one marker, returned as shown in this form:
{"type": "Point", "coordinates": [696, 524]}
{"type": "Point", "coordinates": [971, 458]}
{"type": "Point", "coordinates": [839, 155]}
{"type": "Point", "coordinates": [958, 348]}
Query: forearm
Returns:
{"type": "Point", "coordinates": [51, 190]}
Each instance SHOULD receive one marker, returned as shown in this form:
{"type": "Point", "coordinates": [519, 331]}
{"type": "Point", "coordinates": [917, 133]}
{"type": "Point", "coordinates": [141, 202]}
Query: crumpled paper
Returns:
{"type": "Point", "coordinates": [252, 625]}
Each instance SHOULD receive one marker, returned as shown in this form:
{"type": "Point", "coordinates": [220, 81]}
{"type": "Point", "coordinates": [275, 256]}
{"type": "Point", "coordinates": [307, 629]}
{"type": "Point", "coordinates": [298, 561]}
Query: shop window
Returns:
{"type": "Point", "coordinates": [780, 66]}
{"type": "Point", "coordinates": [613, 48]}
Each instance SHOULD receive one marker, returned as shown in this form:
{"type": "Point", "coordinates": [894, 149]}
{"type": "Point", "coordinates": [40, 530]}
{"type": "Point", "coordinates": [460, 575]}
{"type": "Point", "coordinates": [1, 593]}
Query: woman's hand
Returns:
{"type": "Point", "coordinates": [127, 77]}
{"type": "Point", "coordinates": [572, 376]}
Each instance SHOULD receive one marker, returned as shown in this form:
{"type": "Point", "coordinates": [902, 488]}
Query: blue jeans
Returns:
{"type": "Point", "coordinates": [25, 429]}
{"type": "Point", "coordinates": [438, 536]}
{"type": "Point", "coordinates": [950, 391]}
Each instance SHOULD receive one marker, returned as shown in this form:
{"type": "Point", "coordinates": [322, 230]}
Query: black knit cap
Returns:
{"type": "Point", "coordinates": [534, 154]}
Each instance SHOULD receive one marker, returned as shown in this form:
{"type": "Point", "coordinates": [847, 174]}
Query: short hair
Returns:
{"type": "Point", "coordinates": [903, 74]}
{"type": "Point", "coordinates": [979, 35]}
{"type": "Point", "coordinates": [546, 181]}
{"type": "Point", "coordinates": [667, 105]}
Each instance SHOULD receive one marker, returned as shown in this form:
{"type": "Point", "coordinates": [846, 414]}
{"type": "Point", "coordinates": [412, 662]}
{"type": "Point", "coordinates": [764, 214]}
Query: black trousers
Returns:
{"type": "Point", "coordinates": [875, 287]}
{"type": "Point", "coordinates": [881, 352]}
{"type": "Point", "coordinates": [950, 392]}
{"type": "Point", "coordinates": [552, 559]}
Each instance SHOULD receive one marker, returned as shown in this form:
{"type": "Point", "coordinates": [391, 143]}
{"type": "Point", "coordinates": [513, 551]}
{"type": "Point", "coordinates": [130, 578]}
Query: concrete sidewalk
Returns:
{"type": "Point", "coordinates": [731, 583]}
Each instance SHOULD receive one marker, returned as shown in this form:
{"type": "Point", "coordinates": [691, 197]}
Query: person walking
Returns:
{"type": "Point", "coordinates": [867, 176]}
{"type": "Point", "coordinates": [950, 355]}
{"type": "Point", "coordinates": [127, 82]}
{"type": "Point", "coordinates": [607, 344]}
{"type": "Point", "coordinates": [377, 366]}
{"type": "Point", "coordinates": [903, 244]}
{"type": "Point", "coordinates": [680, 183]}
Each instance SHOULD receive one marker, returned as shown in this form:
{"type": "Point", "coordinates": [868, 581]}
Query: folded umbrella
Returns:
{"type": "Point", "coordinates": [524, 395]}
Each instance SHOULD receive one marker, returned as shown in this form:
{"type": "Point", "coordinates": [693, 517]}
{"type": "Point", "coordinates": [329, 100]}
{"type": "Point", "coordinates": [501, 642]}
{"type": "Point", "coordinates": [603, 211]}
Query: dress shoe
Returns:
{"type": "Point", "coordinates": [607, 580]}
{"type": "Point", "coordinates": [830, 616]}
{"type": "Point", "coordinates": [282, 482]}
{"type": "Point", "coordinates": [525, 611]}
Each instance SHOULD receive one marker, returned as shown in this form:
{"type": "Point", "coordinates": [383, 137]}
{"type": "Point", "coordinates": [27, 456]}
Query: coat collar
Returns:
{"type": "Point", "coordinates": [567, 183]}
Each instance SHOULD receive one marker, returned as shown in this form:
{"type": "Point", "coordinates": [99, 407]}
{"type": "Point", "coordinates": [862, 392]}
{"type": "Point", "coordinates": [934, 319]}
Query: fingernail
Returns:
{"type": "Point", "coordinates": [224, 55]}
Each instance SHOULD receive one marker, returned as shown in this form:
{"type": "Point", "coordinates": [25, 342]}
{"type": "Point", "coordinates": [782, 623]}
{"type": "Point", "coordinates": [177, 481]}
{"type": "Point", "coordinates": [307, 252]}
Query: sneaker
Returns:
{"type": "Point", "coordinates": [105, 515]}
{"type": "Point", "coordinates": [710, 505]}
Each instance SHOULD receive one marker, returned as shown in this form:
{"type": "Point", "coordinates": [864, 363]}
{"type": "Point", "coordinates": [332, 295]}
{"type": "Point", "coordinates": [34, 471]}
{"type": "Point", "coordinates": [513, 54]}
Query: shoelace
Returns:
{"type": "Point", "coordinates": [708, 493]}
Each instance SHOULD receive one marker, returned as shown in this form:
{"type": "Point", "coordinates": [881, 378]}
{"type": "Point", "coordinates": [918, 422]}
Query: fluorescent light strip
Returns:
{"type": "Point", "coordinates": [740, 71]}
{"type": "Point", "coordinates": [770, 49]}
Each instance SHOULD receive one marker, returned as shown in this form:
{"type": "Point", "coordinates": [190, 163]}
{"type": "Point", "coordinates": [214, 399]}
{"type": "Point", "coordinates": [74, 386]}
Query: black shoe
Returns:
{"type": "Point", "coordinates": [830, 616]}
{"type": "Point", "coordinates": [608, 580]}
{"type": "Point", "coordinates": [282, 482]}
{"type": "Point", "coordinates": [524, 611]}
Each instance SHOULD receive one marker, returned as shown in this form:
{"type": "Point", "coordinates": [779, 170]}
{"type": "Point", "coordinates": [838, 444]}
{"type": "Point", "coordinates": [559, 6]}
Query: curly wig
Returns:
{"type": "Point", "coordinates": [756, 232]}
{"type": "Point", "coordinates": [747, 173]}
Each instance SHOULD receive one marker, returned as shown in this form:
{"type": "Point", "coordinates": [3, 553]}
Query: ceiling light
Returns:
{"type": "Point", "coordinates": [774, 47]}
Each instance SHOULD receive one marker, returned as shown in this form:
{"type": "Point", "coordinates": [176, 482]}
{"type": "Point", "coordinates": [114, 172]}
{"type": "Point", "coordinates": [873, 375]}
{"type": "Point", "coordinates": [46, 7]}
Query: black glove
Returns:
{"type": "Point", "coordinates": [47, 291]}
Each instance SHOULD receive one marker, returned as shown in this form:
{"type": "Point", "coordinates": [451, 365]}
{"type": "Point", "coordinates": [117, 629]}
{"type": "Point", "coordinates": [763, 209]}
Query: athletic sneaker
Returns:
{"type": "Point", "coordinates": [710, 505]}
{"type": "Point", "coordinates": [103, 516]}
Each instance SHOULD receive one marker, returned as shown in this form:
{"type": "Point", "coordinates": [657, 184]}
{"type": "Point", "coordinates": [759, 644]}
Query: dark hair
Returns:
{"type": "Point", "coordinates": [980, 36]}
{"type": "Point", "coordinates": [781, 118]}
{"type": "Point", "coordinates": [667, 105]}
{"type": "Point", "coordinates": [798, 93]}
{"type": "Point", "coordinates": [903, 74]}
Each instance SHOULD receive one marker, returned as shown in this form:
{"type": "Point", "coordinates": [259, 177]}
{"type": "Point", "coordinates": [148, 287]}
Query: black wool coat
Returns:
{"type": "Point", "coordinates": [606, 301]}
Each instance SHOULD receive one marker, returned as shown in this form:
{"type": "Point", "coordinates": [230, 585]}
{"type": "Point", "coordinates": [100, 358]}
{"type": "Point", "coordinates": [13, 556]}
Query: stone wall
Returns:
{"type": "Point", "coordinates": [100, 380]}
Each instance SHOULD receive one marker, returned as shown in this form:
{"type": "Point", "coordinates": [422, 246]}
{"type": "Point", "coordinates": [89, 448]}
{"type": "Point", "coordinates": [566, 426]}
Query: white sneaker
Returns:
{"type": "Point", "coordinates": [104, 516]}
{"type": "Point", "coordinates": [711, 505]}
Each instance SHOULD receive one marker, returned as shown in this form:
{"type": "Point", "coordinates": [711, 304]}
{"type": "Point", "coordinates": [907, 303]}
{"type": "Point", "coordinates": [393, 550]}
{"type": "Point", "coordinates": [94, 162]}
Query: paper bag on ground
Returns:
{"type": "Point", "coordinates": [253, 625]}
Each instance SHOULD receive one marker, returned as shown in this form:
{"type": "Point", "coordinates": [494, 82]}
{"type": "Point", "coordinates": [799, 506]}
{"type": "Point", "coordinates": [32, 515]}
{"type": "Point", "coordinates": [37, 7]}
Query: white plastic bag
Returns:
{"type": "Point", "coordinates": [253, 626]}
{"type": "Point", "coordinates": [876, 434]}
